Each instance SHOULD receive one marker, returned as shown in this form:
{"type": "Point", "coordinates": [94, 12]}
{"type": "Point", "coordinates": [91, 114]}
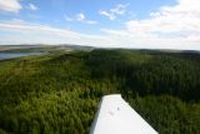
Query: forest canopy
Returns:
{"type": "Point", "coordinates": [58, 93]}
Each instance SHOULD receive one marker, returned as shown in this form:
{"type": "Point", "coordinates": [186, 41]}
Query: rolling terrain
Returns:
{"type": "Point", "coordinates": [59, 92]}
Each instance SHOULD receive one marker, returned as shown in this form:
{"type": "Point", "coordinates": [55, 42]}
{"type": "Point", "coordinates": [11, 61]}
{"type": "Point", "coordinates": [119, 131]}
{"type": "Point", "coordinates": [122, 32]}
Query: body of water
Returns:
{"type": "Point", "coordinates": [4, 56]}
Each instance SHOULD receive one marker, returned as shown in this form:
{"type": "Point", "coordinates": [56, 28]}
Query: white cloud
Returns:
{"type": "Point", "coordinates": [183, 17]}
{"type": "Point", "coordinates": [171, 27]}
{"type": "Point", "coordinates": [180, 22]}
{"type": "Point", "coordinates": [176, 27]}
{"type": "Point", "coordinates": [90, 22]}
{"type": "Point", "coordinates": [80, 17]}
{"type": "Point", "coordinates": [32, 7]}
{"type": "Point", "coordinates": [25, 32]}
{"type": "Point", "coordinates": [112, 14]}
{"type": "Point", "coordinates": [10, 6]}
{"type": "Point", "coordinates": [22, 26]}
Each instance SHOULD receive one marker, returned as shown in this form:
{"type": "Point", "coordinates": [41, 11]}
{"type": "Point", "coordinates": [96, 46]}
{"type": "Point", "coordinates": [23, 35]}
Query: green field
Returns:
{"type": "Point", "coordinates": [58, 93]}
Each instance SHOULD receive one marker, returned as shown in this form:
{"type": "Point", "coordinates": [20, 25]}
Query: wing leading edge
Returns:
{"type": "Point", "coordinates": [115, 116]}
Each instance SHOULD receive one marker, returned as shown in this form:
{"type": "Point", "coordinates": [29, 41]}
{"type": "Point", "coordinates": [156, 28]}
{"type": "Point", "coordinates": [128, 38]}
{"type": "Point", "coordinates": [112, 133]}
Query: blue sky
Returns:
{"type": "Point", "coordinates": [102, 23]}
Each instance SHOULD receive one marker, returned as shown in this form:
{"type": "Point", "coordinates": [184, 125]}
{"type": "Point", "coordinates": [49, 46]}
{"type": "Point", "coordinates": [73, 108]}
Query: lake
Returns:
{"type": "Point", "coordinates": [4, 55]}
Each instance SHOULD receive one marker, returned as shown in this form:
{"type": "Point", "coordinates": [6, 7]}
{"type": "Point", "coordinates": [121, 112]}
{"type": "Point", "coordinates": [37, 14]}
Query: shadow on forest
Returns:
{"type": "Point", "coordinates": [138, 72]}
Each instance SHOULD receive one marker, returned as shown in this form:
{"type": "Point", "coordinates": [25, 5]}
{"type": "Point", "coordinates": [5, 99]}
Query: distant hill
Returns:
{"type": "Point", "coordinates": [42, 48]}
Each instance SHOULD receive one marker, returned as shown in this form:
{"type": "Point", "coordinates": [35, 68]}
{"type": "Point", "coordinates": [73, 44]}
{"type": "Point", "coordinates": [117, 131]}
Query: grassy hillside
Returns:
{"type": "Point", "coordinates": [59, 93]}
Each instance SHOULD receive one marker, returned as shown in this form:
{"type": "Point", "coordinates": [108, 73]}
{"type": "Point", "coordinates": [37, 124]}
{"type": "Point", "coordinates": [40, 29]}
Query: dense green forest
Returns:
{"type": "Point", "coordinates": [58, 93]}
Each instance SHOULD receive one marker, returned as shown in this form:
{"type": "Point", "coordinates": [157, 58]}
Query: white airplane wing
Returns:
{"type": "Point", "coordinates": [115, 116]}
